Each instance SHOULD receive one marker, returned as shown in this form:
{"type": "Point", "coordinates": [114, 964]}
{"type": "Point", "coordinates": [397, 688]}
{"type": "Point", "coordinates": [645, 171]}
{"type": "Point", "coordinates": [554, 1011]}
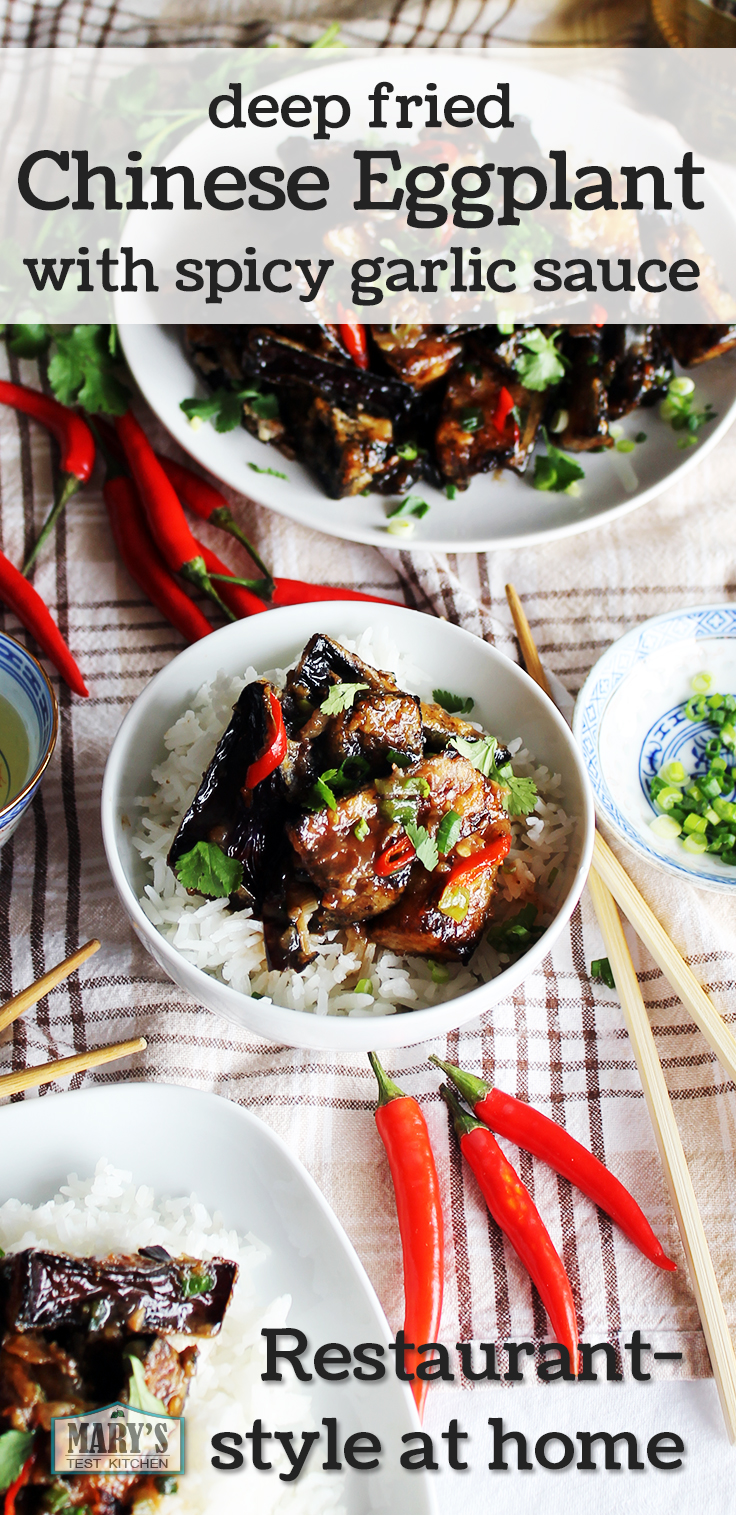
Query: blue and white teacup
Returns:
{"type": "Point", "coordinates": [25, 687]}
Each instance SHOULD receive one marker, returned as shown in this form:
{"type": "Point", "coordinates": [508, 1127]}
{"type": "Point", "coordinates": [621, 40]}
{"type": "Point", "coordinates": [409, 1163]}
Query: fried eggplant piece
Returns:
{"type": "Point", "coordinates": [418, 354]}
{"type": "Point", "coordinates": [281, 362]}
{"type": "Point", "coordinates": [640, 367]}
{"type": "Point", "coordinates": [378, 722]}
{"type": "Point", "coordinates": [286, 915]}
{"type": "Point", "coordinates": [416, 924]}
{"type": "Point", "coordinates": [341, 864]}
{"type": "Point", "coordinates": [346, 451]}
{"type": "Point", "coordinates": [217, 355]}
{"type": "Point", "coordinates": [439, 727]}
{"type": "Point", "coordinates": [468, 440]}
{"type": "Point", "coordinates": [698, 344]}
{"type": "Point", "coordinates": [584, 396]}
{"type": "Point", "coordinates": [42, 1290]}
{"type": "Point", "coordinates": [244, 823]}
{"type": "Point", "coordinates": [323, 663]}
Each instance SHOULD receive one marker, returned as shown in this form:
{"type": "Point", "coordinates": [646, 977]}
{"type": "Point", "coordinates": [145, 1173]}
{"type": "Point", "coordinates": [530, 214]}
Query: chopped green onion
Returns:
{"type": "Point", "coordinates": [665, 826]}
{"type": "Point", "coordinates": [553, 875]}
{"type": "Point", "coordinates": [401, 527]}
{"type": "Point", "coordinates": [696, 844]}
{"type": "Point", "coordinates": [673, 773]}
{"type": "Point", "coordinates": [668, 797]}
{"type": "Point", "coordinates": [364, 986]}
{"type": "Point", "coordinates": [362, 829]}
{"type": "Point", "coordinates": [601, 970]}
{"type": "Point", "coordinates": [624, 444]}
{"type": "Point", "coordinates": [411, 505]}
{"type": "Point", "coordinates": [451, 491]}
{"type": "Point", "coordinates": [641, 436]}
{"type": "Point", "coordinates": [680, 386]}
{"type": "Point", "coordinates": [440, 974]}
{"type": "Point", "coordinates": [702, 682]}
{"type": "Point", "coordinates": [695, 823]}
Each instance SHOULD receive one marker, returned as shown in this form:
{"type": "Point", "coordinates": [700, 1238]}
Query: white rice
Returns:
{"type": "Point", "coordinates": [109, 1213]}
{"type": "Point", "coordinates": [229, 944]}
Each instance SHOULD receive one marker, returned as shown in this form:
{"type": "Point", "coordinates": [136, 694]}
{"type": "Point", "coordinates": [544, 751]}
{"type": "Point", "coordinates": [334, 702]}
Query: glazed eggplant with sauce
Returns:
{"type": "Point", "coordinates": [407, 403]}
{"type": "Point", "coordinates": [79, 1333]}
{"type": "Point", "coordinates": [342, 802]}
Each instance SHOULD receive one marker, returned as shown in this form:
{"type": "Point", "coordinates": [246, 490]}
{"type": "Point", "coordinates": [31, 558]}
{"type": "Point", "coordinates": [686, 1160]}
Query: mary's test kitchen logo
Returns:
{"type": "Point", "coordinates": [117, 1439]}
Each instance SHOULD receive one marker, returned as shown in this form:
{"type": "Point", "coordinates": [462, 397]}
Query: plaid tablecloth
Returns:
{"type": "Point", "coordinates": [559, 1040]}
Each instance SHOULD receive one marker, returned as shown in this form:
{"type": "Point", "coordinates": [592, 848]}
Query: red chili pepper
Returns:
{"type": "Point", "coordinates": [209, 504]}
{"type": "Point", "coordinates": [535, 1132]}
{"type": "Point", "coordinates": [296, 592]}
{"type": "Point", "coordinates": [464, 871]}
{"type": "Point", "coordinates": [238, 597]}
{"type": "Point", "coordinates": [513, 1209]}
{"type": "Point", "coordinates": [163, 510]}
{"type": "Point", "coordinates": [395, 856]}
{"type": "Point", "coordinates": [15, 1488]}
{"type": "Point", "coordinates": [22, 598]}
{"type": "Point", "coordinates": [275, 752]}
{"type": "Point", "coordinates": [403, 1131]}
{"type": "Point", "coordinates": [76, 445]}
{"type": "Point", "coordinates": [145, 563]}
{"type": "Point", "coordinates": [504, 406]}
{"type": "Point", "coordinates": [353, 337]}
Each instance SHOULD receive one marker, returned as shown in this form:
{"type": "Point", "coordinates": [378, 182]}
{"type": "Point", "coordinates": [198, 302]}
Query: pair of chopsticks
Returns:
{"type": "Point", "coordinates": [609, 883]}
{"type": "Point", "coordinates": [30, 1078]}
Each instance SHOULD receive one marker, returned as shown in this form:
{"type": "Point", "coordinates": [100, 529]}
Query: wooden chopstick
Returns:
{"type": "Point", "coordinates": [30, 996]}
{"type": "Point", "coordinates": [526, 641]}
{"type": "Point", "coordinates": [718, 1035]}
{"type": "Point", "coordinates": [705, 1285]}
{"type": "Point", "coordinates": [29, 1078]}
{"type": "Point", "coordinates": [702, 1273]}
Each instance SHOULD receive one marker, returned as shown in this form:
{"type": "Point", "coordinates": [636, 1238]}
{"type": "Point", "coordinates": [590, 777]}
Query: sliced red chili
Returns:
{"type": "Point", "coordinates": [395, 856]}
{"type": "Point", "coordinates": [354, 339]}
{"type": "Point", "coordinates": [15, 1488]}
{"type": "Point", "coordinates": [275, 751]}
{"type": "Point", "coordinates": [504, 407]}
{"type": "Point", "coordinates": [464, 871]}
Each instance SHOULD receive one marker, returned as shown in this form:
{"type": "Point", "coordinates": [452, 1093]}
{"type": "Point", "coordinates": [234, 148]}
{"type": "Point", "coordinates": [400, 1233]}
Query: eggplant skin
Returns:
{"type": "Point", "coordinates": [43, 1290]}
{"type": "Point", "coordinates": [246, 824]}
{"type": "Point", "coordinates": [698, 344]}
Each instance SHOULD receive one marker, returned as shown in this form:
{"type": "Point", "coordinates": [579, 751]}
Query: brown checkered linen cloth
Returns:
{"type": "Point", "coordinates": [559, 1041]}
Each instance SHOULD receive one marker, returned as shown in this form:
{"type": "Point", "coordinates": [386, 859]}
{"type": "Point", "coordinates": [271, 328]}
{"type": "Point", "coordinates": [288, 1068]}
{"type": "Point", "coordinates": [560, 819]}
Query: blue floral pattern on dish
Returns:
{"type": "Point", "coordinates": [650, 726]}
{"type": "Point", "coordinates": [24, 684]}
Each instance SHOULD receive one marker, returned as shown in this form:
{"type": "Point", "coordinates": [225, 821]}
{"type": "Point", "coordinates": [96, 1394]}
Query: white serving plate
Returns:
{"type": "Point", "coordinates": [496, 511]}
{"type": "Point", "coordinates": [179, 1140]}
{"type": "Point", "coordinates": [628, 725]}
{"type": "Point", "coordinates": [508, 703]}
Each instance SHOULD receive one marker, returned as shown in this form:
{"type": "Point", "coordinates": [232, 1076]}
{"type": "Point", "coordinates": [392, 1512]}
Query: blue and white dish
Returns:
{"type": "Point", "coordinates": [25, 686]}
{"type": "Point", "coordinates": [629, 722]}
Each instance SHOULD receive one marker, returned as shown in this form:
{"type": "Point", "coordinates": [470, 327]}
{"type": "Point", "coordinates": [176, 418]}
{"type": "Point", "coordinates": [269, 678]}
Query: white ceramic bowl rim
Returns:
{"type": "Point", "coordinates": [324, 1031]}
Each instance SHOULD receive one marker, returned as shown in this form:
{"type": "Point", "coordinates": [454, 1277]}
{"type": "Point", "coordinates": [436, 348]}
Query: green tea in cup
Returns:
{"type": "Point", "coordinates": [14, 752]}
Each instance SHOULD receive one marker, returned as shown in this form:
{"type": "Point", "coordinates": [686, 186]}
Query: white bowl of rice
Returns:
{"type": "Point", "coordinates": [156, 765]}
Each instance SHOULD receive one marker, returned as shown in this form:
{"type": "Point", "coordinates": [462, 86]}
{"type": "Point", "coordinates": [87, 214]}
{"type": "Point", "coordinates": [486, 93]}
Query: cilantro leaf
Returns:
{"type": "Point", "coordinates": [453, 703]}
{"type": "Point", "coordinates": [83, 372]}
{"type": "Point", "coordinates": [208, 870]}
{"type": "Point", "coordinates": [424, 845]}
{"type": "Point", "coordinates": [29, 340]}
{"type": "Point", "coordinates": [556, 472]}
{"type": "Point", "coordinates": [139, 1394]}
{"type": "Point", "coordinates": [481, 753]}
{"type": "Point", "coordinates": [335, 781]}
{"type": "Point", "coordinates": [602, 972]}
{"type": "Point", "coordinates": [341, 697]}
{"type": "Point", "coordinates": [15, 1449]}
{"type": "Point", "coordinates": [448, 832]}
{"type": "Point", "coordinates": [541, 365]}
{"type": "Point", "coordinates": [520, 793]}
{"type": "Point", "coordinates": [224, 407]}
